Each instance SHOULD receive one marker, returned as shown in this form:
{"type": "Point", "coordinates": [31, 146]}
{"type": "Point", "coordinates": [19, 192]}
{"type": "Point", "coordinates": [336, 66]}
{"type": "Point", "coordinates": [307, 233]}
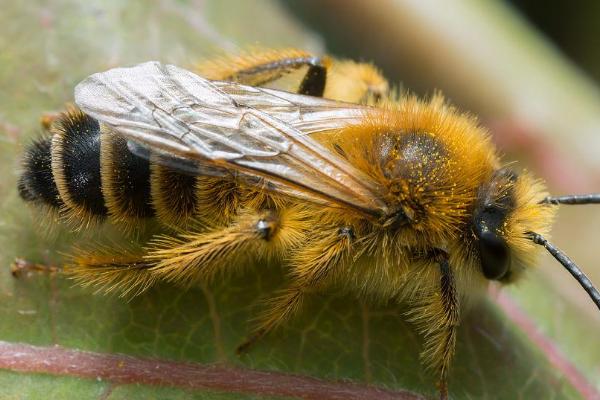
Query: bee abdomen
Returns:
{"type": "Point", "coordinates": [174, 195]}
{"type": "Point", "coordinates": [36, 183]}
{"type": "Point", "coordinates": [86, 172]}
{"type": "Point", "coordinates": [89, 173]}
{"type": "Point", "coordinates": [76, 167]}
{"type": "Point", "coordinates": [125, 180]}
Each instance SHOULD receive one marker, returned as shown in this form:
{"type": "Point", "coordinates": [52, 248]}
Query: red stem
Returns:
{"type": "Point", "coordinates": [122, 369]}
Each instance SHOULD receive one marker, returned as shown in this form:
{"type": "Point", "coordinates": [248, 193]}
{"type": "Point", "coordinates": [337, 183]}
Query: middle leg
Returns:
{"type": "Point", "coordinates": [312, 267]}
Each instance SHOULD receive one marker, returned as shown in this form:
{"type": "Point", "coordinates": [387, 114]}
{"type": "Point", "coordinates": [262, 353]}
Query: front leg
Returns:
{"type": "Point", "coordinates": [450, 321]}
{"type": "Point", "coordinates": [438, 317]}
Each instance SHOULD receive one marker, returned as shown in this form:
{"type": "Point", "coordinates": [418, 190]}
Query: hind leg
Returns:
{"type": "Point", "coordinates": [201, 256]}
{"type": "Point", "coordinates": [22, 267]}
{"type": "Point", "coordinates": [110, 268]}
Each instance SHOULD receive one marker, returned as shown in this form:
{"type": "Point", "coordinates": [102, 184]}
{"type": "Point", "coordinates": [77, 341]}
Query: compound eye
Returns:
{"type": "Point", "coordinates": [494, 254]}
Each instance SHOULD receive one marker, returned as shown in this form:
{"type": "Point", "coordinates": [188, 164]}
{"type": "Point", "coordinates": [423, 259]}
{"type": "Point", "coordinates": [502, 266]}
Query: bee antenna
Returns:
{"type": "Point", "coordinates": [566, 262]}
{"type": "Point", "coordinates": [593, 198]}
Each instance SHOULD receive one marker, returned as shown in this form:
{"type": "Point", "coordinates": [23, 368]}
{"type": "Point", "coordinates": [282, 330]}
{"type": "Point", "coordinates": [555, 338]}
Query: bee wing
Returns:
{"type": "Point", "coordinates": [256, 131]}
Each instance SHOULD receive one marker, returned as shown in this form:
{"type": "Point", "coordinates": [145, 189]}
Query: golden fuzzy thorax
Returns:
{"type": "Point", "coordinates": [432, 161]}
{"type": "Point", "coordinates": [435, 169]}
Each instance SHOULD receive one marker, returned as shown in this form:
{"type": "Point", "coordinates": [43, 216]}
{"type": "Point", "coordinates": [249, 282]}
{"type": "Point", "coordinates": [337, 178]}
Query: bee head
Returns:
{"type": "Point", "coordinates": [511, 218]}
{"type": "Point", "coordinates": [507, 209]}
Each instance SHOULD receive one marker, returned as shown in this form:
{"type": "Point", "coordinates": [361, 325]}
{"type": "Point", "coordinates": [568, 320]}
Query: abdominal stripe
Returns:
{"type": "Point", "coordinates": [89, 174]}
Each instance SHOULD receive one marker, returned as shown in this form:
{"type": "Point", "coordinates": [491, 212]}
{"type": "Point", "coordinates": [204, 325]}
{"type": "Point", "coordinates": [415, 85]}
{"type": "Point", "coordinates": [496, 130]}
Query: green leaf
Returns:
{"type": "Point", "coordinates": [45, 51]}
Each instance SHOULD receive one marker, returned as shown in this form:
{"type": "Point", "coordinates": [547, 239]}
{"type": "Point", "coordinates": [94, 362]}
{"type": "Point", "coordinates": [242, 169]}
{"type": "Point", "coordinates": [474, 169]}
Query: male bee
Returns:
{"type": "Point", "coordinates": [348, 186]}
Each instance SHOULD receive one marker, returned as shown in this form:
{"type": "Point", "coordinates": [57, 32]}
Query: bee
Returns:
{"type": "Point", "coordinates": [348, 186]}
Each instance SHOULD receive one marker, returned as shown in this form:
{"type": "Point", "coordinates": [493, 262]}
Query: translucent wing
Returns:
{"type": "Point", "coordinates": [257, 131]}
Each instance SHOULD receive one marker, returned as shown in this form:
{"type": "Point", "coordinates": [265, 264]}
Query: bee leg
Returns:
{"type": "Point", "coordinates": [200, 256]}
{"type": "Point", "coordinates": [48, 118]}
{"type": "Point", "coordinates": [280, 309]}
{"type": "Point", "coordinates": [311, 267]}
{"type": "Point", "coordinates": [451, 319]}
{"type": "Point", "coordinates": [263, 68]}
{"type": "Point", "coordinates": [110, 269]}
{"type": "Point", "coordinates": [313, 83]}
{"type": "Point", "coordinates": [438, 318]}
{"type": "Point", "coordinates": [22, 267]}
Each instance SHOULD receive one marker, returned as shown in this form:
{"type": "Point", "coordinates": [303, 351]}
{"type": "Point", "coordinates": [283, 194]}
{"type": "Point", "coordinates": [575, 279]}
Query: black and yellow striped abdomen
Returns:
{"type": "Point", "coordinates": [89, 175]}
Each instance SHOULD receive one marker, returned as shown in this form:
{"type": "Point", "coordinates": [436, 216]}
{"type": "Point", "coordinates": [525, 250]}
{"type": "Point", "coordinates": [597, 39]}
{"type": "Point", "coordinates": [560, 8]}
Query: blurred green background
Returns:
{"type": "Point", "coordinates": [529, 70]}
{"type": "Point", "coordinates": [572, 28]}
